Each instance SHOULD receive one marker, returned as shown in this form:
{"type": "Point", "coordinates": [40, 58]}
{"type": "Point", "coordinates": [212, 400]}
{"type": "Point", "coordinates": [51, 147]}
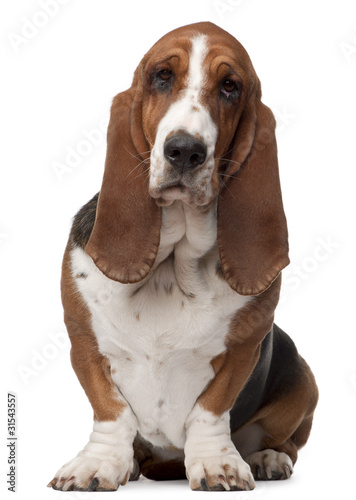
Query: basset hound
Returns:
{"type": "Point", "coordinates": [171, 277]}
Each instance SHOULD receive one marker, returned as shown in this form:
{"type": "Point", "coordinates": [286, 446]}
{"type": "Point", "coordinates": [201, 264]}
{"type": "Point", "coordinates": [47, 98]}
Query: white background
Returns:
{"type": "Point", "coordinates": [57, 85]}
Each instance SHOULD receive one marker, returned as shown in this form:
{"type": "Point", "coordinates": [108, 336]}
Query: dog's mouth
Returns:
{"type": "Point", "coordinates": [192, 186]}
{"type": "Point", "coordinates": [166, 194]}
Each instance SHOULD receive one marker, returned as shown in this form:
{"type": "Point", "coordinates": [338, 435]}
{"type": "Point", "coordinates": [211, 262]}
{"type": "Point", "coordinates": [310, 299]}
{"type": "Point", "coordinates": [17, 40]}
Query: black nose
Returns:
{"type": "Point", "coordinates": [185, 151]}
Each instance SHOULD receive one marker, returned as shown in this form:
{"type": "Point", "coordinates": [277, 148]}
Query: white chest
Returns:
{"type": "Point", "coordinates": [160, 335]}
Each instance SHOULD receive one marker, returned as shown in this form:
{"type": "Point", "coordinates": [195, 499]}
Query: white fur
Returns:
{"type": "Point", "coordinates": [210, 453]}
{"type": "Point", "coordinates": [160, 335]}
{"type": "Point", "coordinates": [107, 456]}
{"type": "Point", "coordinates": [182, 116]}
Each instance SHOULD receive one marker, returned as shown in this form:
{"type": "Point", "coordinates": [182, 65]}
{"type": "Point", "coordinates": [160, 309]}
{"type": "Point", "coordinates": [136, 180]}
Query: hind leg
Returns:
{"type": "Point", "coordinates": [270, 441]}
{"type": "Point", "coordinates": [270, 464]}
{"type": "Point", "coordinates": [265, 463]}
{"type": "Point", "coordinates": [276, 460]}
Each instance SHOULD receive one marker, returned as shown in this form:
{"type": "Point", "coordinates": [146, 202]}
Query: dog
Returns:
{"type": "Point", "coordinates": [171, 277]}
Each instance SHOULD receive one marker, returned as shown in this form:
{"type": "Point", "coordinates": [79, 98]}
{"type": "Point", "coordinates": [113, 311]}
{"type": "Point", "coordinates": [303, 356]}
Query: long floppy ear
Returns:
{"type": "Point", "coordinates": [126, 234]}
{"type": "Point", "coordinates": [252, 228]}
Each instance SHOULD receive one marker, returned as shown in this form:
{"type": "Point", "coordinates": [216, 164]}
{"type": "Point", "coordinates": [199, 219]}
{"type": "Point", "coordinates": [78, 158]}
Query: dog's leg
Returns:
{"type": "Point", "coordinates": [104, 464]}
{"type": "Point", "coordinates": [211, 459]}
{"type": "Point", "coordinates": [107, 460]}
{"type": "Point", "coordinates": [284, 426]}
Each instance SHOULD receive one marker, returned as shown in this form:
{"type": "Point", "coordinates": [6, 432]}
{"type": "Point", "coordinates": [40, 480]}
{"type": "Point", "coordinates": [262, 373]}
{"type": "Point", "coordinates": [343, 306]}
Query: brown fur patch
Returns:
{"type": "Point", "coordinates": [163, 471]}
{"type": "Point", "coordinates": [286, 421]}
{"type": "Point", "coordinates": [243, 343]}
{"type": "Point", "coordinates": [91, 367]}
{"type": "Point", "coordinates": [160, 464]}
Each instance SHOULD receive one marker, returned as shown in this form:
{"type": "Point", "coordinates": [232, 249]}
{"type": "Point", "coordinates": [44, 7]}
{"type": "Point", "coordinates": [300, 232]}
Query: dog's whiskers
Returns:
{"type": "Point", "coordinates": [138, 155]}
{"type": "Point", "coordinates": [140, 174]}
{"type": "Point", "coordinates": [147, 161]}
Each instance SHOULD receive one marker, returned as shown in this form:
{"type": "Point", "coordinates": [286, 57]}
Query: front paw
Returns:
{"type": "Point", "coordinates": [223, 473]}
{"type": "Point", "coordinates": [89, 473]}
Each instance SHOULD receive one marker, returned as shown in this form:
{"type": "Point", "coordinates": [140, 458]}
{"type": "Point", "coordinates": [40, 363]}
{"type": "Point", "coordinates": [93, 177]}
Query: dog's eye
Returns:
{"type": "Point", "coordinates": [163, 80]}
{"type": "Point", "coordinates": [165, 75]}
{"type": "Point", "coordinates": [229, 86]}
{"type": "Point", "coordinates": [230, 89]}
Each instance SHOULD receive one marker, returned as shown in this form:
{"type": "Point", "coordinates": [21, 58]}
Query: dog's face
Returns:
{"type": "Point", "coordinates": [192, 127]}
{"type": "Point", "coordinates": [194, 91]}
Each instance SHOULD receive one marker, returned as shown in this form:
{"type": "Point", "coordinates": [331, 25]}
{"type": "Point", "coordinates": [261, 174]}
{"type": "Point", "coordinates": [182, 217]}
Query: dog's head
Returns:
{"type": "Point", "coordinates": [193, 128]}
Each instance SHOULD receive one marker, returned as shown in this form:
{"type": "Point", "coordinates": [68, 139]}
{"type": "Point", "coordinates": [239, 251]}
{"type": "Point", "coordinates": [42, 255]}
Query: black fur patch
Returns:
{"type": "Point", "coordinates": [276, 373]}
{"type": "Point", "coordinates": [83, 223]}
{"type": "Point", "coordinates": [252, 395]}
{"type": "Point", "coordinates": [286, 367]}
